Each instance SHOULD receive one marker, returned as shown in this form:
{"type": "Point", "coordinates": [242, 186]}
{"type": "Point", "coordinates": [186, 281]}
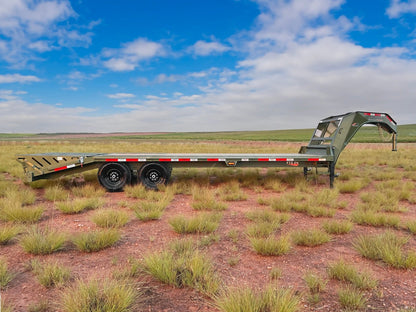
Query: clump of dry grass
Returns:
{"type": "Point", "coordinates": [310, 238]}
{"type": "Point", "coordinates": [79, 205]}
{"type": "Point", "coordinates": [110, 218]}
{"type": "Point", "coordinates": [96, 240]}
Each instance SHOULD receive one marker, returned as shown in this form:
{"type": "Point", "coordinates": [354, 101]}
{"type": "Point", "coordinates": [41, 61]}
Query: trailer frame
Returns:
{"type": "Point", "coordinates": [117, 169]}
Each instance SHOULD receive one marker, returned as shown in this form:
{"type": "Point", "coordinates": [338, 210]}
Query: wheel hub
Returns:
{"type": "Point", "coordinates": [114, 176]}
{"type": "Point", "coordinates": [154, 176]}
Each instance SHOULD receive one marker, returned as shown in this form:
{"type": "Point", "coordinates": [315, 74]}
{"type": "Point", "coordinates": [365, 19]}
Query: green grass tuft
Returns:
{"type": "Point", "coordinates": [315, 283]}
{"type": "Point", "coordinates": [13, 211]}
{"type": "Point", "coordinates": [183, 265]}
{"type": "Point", "coordinates": [313, 237]}
{"type": "Point", "coordinates": [99, 295]}
{"type": "Point", "coordinates": [337, 226]}
{"type": "Point", "coordinates": [5, 275]}
{"type": "Point", "coordinates": [369, 217]}
{"type": "Point", "coordinates": [50, 274]}
{"type": "Point", "coordinates": [39, 241]}
{"type": "Point", "coordinates": [351, 299]}
{"type": "Point", "coordinates": [96, 240]}
{"type": "Point", "coordinates": [110, 218]}
{"type": "Point", "coordinates": [345, 272]}
{"type": "Point", "coordinates": [387, 247]}
{"type": "Point", "coordinates": [78, 205]}
{"type": "Point", "coordinates": [270, 246]}
{"type": "Point", "coordinates": [245, 299]}
{"type": "Point", "coordinates": [56, 193]}
{"type": "Point", "coordinates": [202, 223]}
{"type": "Point", "coordinates": [8, 232]}
{"type": "Point", "coordinates": [149, 210]}
{"type": "Point", "coordinates": [89, 191]}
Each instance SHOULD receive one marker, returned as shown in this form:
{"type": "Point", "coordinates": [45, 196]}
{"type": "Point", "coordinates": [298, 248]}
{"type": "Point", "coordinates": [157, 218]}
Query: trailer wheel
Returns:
{"type": "Point", "coordinates": [153, 174]}
{"type": "Point", "coordinates": [114, 176]}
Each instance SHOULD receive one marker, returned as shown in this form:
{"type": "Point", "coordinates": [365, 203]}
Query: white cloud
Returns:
{"type": "Point", "coordinates": [29, 27]}
{"type": "Point", "coordinates": [400, 7]}
{"type": "Point", "coordinates": [120, 96]}
{"type": "Point", "coordinates": [131, 54]}
{"type": "Point", "coordinates": [12, 78]}
{"type": "Point", "coordinates": [204, 48]}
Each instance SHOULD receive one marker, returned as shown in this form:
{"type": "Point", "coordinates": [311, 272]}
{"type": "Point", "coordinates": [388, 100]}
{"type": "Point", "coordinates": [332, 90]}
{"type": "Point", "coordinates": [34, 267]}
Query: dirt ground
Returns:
{"type": "Point", "coordinates": [396, 289]}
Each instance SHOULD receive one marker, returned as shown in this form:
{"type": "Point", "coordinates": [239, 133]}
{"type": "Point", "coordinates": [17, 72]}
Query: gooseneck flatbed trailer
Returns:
{"type": "Point", "coordinates": [116, 170]}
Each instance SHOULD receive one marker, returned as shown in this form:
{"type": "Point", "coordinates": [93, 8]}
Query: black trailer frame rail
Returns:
{"type": "Point", "coordinates": [116, 170]}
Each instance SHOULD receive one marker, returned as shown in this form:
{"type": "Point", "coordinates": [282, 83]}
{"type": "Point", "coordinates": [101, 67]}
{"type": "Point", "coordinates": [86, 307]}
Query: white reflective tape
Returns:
{"type": "Point", "coordinates": [272, 159]}
{"type": "Point", "coordinates": [221, 159]}
{"type": "Point", "coordinates": [194, 159]}
{"type": "Point", "coordinates": [141, 159]}
{"type": "Point", "coordinates": [244, 159]}
{"type": "Point", "coordinates": [322, 159]}
{"type": "Point", "coordinates": [71, 166]}
{"type": "Point", "coordinates": [174, 159]}
{"type": "Point", "coordinates": [121, 159]}
{"type": "Point", "coordinates": [290, 159]}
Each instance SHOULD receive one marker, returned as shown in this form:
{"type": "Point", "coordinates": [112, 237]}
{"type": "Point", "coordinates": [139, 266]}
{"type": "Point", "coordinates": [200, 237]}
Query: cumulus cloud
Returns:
{"type": "Point", "coordinates": [29, 27]}
{"type": "Point", "coordinates": [400, 7]}
{"type": "Point", "coordinates": [204, 48]}
{"type": "Point", "coordinates": [119, 96]}
{"type": "Point", "coordinates": [12, 78]}
{"type": "Point", "coordinates": [129, 56]}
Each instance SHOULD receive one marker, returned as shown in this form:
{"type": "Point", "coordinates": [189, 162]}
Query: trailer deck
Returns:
{"type": "Point", "coordinates": [116, 170]}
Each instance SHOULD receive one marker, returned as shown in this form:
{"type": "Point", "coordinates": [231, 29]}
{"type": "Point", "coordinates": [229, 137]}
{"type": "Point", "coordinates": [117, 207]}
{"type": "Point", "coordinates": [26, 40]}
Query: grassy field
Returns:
{"type": "Point", "coordinates": [213, 239]}
{"type": "Point", "coordinates": [407, 133]}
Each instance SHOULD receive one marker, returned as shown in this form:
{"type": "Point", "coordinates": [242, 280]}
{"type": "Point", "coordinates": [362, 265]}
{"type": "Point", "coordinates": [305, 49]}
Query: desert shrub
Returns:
{"type": "Point", "coordinates": [350, 298]}
{"type": "Point", "coordinates": [387, 247]}
{"type": "Point", "coordinates": [78, 205]}
{"type": "Point", "coordinates": [202, 223]}
{"type": "Point", "coordinates": [110, 218]}
{"type": "Point", "coordinates": [313, 237]}
{"type": "Point", "coordinates": [337, 226]}
{"type": "Point", "coordinates": [294, 200]}
{"type": "Point", "coordinates": [138, 191]}
{"type": "Point", "coordinates": [50, 274]}
{"type": "Point", "coordinates": [56, 193]}
{"type": "Point", "coordinates": [245, 299]}
{"type": "Point", "coordinates": [8, 232]}
{"type": "Point", "coordinates": [270, 246]}
{"type": "Point", "coordinates": [99, 295]}
{"type": "Point", "coordinates": [96, 240]}
{"type": "Point", "coordinates": [40, 241]}
{"type": "Point", "coordinates": [320, 211]}
{"type": "Point", "coordinates": [182, 264]}
{"type": "Point", "coordinates": [345, 272]}
{"type": "Point", "coordinates": [5, 275]}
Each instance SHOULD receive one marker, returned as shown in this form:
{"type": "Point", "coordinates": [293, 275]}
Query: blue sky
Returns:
{"type": "Point", "coordinates": [187, 65]}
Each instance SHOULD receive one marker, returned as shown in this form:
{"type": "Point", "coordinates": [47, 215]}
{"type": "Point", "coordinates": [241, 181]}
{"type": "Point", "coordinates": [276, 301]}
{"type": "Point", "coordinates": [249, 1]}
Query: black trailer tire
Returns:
{"type": "Point", "coordinates": [153, 174]}
{"type": "Point", "coordinates": [114, 176]}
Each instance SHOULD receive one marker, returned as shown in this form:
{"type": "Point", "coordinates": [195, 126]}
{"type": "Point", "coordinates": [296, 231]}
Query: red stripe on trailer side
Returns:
{"type": "Point", "coordinates": [132, 160]}
{"type": "Point", "coordinates": [262, 159]}
{"type": "Point", "coordinates": [313, 159]}
{"type": "Point", "coordinates": [184, 159]}
{"type": "Point", "coordinates": [165, 159]}
{"type": "Point", "coordinates": [60, 168]}
{"type": "Point", "coordinates": [281, 159]}
{"type": "Point", "coordinates": [212, 159]}
{"type": "Point", "coordinates": [111, 160]}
